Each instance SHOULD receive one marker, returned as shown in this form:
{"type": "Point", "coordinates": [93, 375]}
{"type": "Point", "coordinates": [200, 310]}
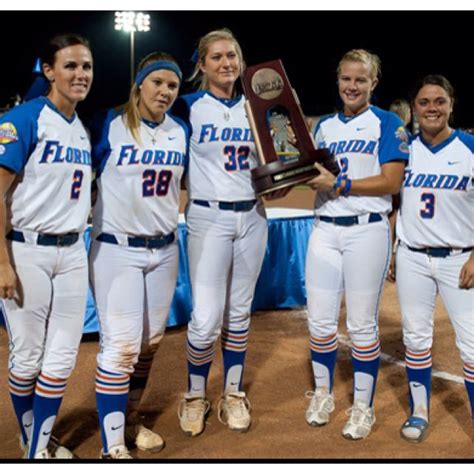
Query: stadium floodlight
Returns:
{"type": "Point", "coordinates": [130, 22]}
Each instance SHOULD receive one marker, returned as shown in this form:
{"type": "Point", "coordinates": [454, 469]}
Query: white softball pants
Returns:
{"type": "Point", "coordinates": [225, 251]}
{"type": "Point", "coordinates": [419, 279]}
{"type": "Point", "coordinates": [46, 317]}
{"type": "Point", "coordinates": [353, 260]}
{"type": "Point", "coordinates": [133, 289]}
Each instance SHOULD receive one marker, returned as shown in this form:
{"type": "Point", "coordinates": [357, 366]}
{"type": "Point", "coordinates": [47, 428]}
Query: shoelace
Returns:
{"type": "Point", "coordinates": [195, 409]}
{"type": "Point", "coordinates": [318, 402]}
{"type": "Point", "coordinates": [359, 416]}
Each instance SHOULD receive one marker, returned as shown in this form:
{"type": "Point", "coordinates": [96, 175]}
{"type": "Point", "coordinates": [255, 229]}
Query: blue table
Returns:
{"type": "Point", "coordinates": [281, 281]}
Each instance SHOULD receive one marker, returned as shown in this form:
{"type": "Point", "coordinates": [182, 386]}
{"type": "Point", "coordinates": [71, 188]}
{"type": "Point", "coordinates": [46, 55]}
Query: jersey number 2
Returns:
{"type": "Point", "coordinates": [429, 209]}
{"type": "Point", "coordinates": [156, 183]}
{"type": "Point", "coordinates": [76, 184]}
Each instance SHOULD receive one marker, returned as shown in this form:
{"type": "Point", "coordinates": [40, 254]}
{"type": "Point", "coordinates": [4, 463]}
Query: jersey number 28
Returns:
{"type": "Point", "coordinates": [156, 183]}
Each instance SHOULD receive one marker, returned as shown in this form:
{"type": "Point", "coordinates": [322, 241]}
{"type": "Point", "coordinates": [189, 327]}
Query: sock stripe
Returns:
{"type": "Point", "coordinates": [418, 360]}
{"type": "Point", "coordinates": [111, 384]}
{"type": "Point", "coordinates": [323, 345]}
{"type": "Point", "coordinates": [234, 341]}
{"type": "Point", "coordinates": [366, 353]}
{"type": "Point", "coordinates": [469, 373]}
{"type": "Point", "coordinates": [21, 387]}
{"type": "Point", "coordinates": [200, 356]}
{"type": "Point", "coordinates": [50, 387]}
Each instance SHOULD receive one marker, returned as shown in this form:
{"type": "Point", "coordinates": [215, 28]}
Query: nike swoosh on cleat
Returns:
{"type": "Point", "coordinates": [171, 138]}
{"type": "Point", "coordinates": [360, 389]}
{"type": "Point", "coordinates": [115, 428]}
{"type": "Point", "coordinates": [453, 162]}
{"type": "Point", "coordinates": [360, 128]}
{"type": "Point", "coordinates": [417, 385]}
{"type": "Point", "coordinates": [28, 425]}
{"type": "Point", "coordinates": [46, 433]}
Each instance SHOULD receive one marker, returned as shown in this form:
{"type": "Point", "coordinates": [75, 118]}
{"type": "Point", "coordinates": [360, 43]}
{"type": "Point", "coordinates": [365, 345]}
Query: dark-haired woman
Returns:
{"type": "Point", "coordinates": [140, 152]}
{"type": "Point", "coordinates": [435, 229]}
{"type": "Point", "coordinates": [45, 180]}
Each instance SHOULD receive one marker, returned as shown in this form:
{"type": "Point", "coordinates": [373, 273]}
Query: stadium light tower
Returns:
{"type": "Point", "coordinates": [130, 22]}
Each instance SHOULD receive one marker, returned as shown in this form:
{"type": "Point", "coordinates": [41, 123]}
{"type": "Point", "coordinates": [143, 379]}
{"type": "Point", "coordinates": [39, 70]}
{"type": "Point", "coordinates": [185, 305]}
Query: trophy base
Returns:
{"type": "Point", "coordinates": [278, 175]}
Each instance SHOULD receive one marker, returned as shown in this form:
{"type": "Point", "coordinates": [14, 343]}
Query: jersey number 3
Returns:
{"type": "Point", "coordinates": [156, 183]}
{"type": "Point", "coordinates": [429, 209]}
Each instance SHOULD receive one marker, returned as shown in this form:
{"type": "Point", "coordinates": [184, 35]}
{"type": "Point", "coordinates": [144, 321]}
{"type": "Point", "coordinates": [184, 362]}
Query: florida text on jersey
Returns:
{"type": "Point", "coordinates": [219, 131]}
{"type": "Point", "coordinates": [51, 155]}
{"type": "Point", "coordinates": [143, 177]}
{"type": "Point", "coordinates": [361, 144]}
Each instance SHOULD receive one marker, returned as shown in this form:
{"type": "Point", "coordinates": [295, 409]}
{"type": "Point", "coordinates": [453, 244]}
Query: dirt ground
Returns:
{"type": "Point", "coordinates": [277, 375]}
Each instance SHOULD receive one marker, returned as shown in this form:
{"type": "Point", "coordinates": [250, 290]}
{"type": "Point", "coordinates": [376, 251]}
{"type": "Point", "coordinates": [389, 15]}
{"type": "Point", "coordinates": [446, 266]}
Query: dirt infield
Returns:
{"type": "Point", "coordinates": [277, 375]}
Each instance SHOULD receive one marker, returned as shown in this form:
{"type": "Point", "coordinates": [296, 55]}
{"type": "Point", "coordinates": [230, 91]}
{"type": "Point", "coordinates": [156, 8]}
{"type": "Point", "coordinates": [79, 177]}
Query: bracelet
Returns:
{"type": "Point", "coordinates": [347, 187]}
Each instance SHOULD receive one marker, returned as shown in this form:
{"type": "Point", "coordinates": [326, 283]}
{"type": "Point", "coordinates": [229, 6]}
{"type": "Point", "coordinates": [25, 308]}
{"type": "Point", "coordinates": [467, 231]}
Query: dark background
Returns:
{"type": "Point", "coordinates": [310, 43]}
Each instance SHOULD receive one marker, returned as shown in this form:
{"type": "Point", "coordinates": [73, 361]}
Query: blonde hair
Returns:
{"type": "Point", "coordinates": [363, 56]}
{"type": "Point", "coordinates": [402, 108]}
{"type": "Point", "coordinates": [203, 48]}
{"type": "Point", "coordinates": [132, 115]}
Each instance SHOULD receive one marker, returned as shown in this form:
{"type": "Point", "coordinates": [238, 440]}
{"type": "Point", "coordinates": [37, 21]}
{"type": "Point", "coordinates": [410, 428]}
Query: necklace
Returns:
{"type": "Point", "coordinates": [155, 126]}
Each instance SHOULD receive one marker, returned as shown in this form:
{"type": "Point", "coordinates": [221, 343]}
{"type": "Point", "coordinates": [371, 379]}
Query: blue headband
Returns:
{"type": "Point", "coordinates": [155, 66]}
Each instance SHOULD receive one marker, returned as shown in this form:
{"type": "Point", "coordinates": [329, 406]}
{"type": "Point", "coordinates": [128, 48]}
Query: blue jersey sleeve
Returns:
{"type": "Point", "coordinates": [19, 135]}
{"type": "Point", "coordinates": [101, 148]}
{"type": "Point", "coordinates": [187, 133]}
{"type": "Point", "coordinates": [394, 138]}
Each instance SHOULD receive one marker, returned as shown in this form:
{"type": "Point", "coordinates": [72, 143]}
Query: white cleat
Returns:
{"type": "Point", "coordinates": [144, 438]}
{"type": "Point", "coordinates": [117, 452]}
{"type": "Point", "coordinates": [43, 454]}
{"type": "Point", "coordinates": [234, 411]}
{"type": "Point", "coordinates": [192, 413]}
{"type": "Point", "coordinates": [361, 420]}
{"type": "Point", "coordinates": [56, 451]}
{"type": "Point", "coordinates": [320, 407]}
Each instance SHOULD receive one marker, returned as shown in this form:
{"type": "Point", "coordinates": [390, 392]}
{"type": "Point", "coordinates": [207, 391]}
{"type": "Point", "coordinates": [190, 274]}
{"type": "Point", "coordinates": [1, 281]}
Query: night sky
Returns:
{"type": "Point", "coordinates": [310, 43]}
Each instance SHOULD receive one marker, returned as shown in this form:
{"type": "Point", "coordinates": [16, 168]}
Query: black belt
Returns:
{"type": "Point", "coordinates": [63, 240]}
{"type": "Point", "coordinates": [156, 242]}
{"type": "Point", "coordinates": [441, 252]}
{"type": "Point", "coordinates": [350, 220]}
{"type": "Point", "coordinates": [237, 206]}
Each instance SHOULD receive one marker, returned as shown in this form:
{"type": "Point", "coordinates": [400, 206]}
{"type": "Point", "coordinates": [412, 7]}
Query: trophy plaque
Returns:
{"type": "Point", "coordinates": [271, 104]}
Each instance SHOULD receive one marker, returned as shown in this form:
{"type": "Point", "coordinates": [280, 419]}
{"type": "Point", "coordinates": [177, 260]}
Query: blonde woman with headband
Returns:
{"type": "Point", "coordinates": [140, 154]}
{"type": "Point", "coordinates": [350, 248]}
{"type": "Point", "coordinates": [227, 232]}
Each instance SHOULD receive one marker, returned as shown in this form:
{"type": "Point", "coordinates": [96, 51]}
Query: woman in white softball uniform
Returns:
{"type": "Point", "coordinates": [45, 176]}
{"type": "Point", "coordinates": [350, 246]}
{"type": "Point", "coordinates": [140, 152]}
{"type": "Point", "coordinates": [435, 228]}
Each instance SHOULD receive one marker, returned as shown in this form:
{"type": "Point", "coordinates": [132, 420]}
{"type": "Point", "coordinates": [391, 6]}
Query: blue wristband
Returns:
{"type": "Point", "coordinates": [347, 187]}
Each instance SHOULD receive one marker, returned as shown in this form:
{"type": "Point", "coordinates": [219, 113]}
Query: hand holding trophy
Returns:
{"type": "Point", "coordinates": [271, 106]}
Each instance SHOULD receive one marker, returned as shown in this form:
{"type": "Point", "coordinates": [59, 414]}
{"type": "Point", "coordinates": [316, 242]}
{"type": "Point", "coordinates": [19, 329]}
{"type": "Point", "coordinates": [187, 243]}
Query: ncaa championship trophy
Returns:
{"type": "Point", "coordinates": [271, 105]}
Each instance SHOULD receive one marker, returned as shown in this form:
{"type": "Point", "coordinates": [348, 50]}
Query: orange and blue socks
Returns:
{"type": "Point", "coordinates": [234, 348]}
{"type": "Point", "coordinates": [323, 360]}
{"type": "Point", "coordinates": [418, 368]}
{"type": "Point", "coordinates": [365, 363]}
{"type": "Point", "coordinates": [469, 383]}
{"type": "Point", "coordinates": [47, 399]}
{"type": "Point", "coordinates": [111, 390]}
{"type": "Point", "coordinates": [199, 365]}
{"type": "Point", "coordinates": [22, 394]}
